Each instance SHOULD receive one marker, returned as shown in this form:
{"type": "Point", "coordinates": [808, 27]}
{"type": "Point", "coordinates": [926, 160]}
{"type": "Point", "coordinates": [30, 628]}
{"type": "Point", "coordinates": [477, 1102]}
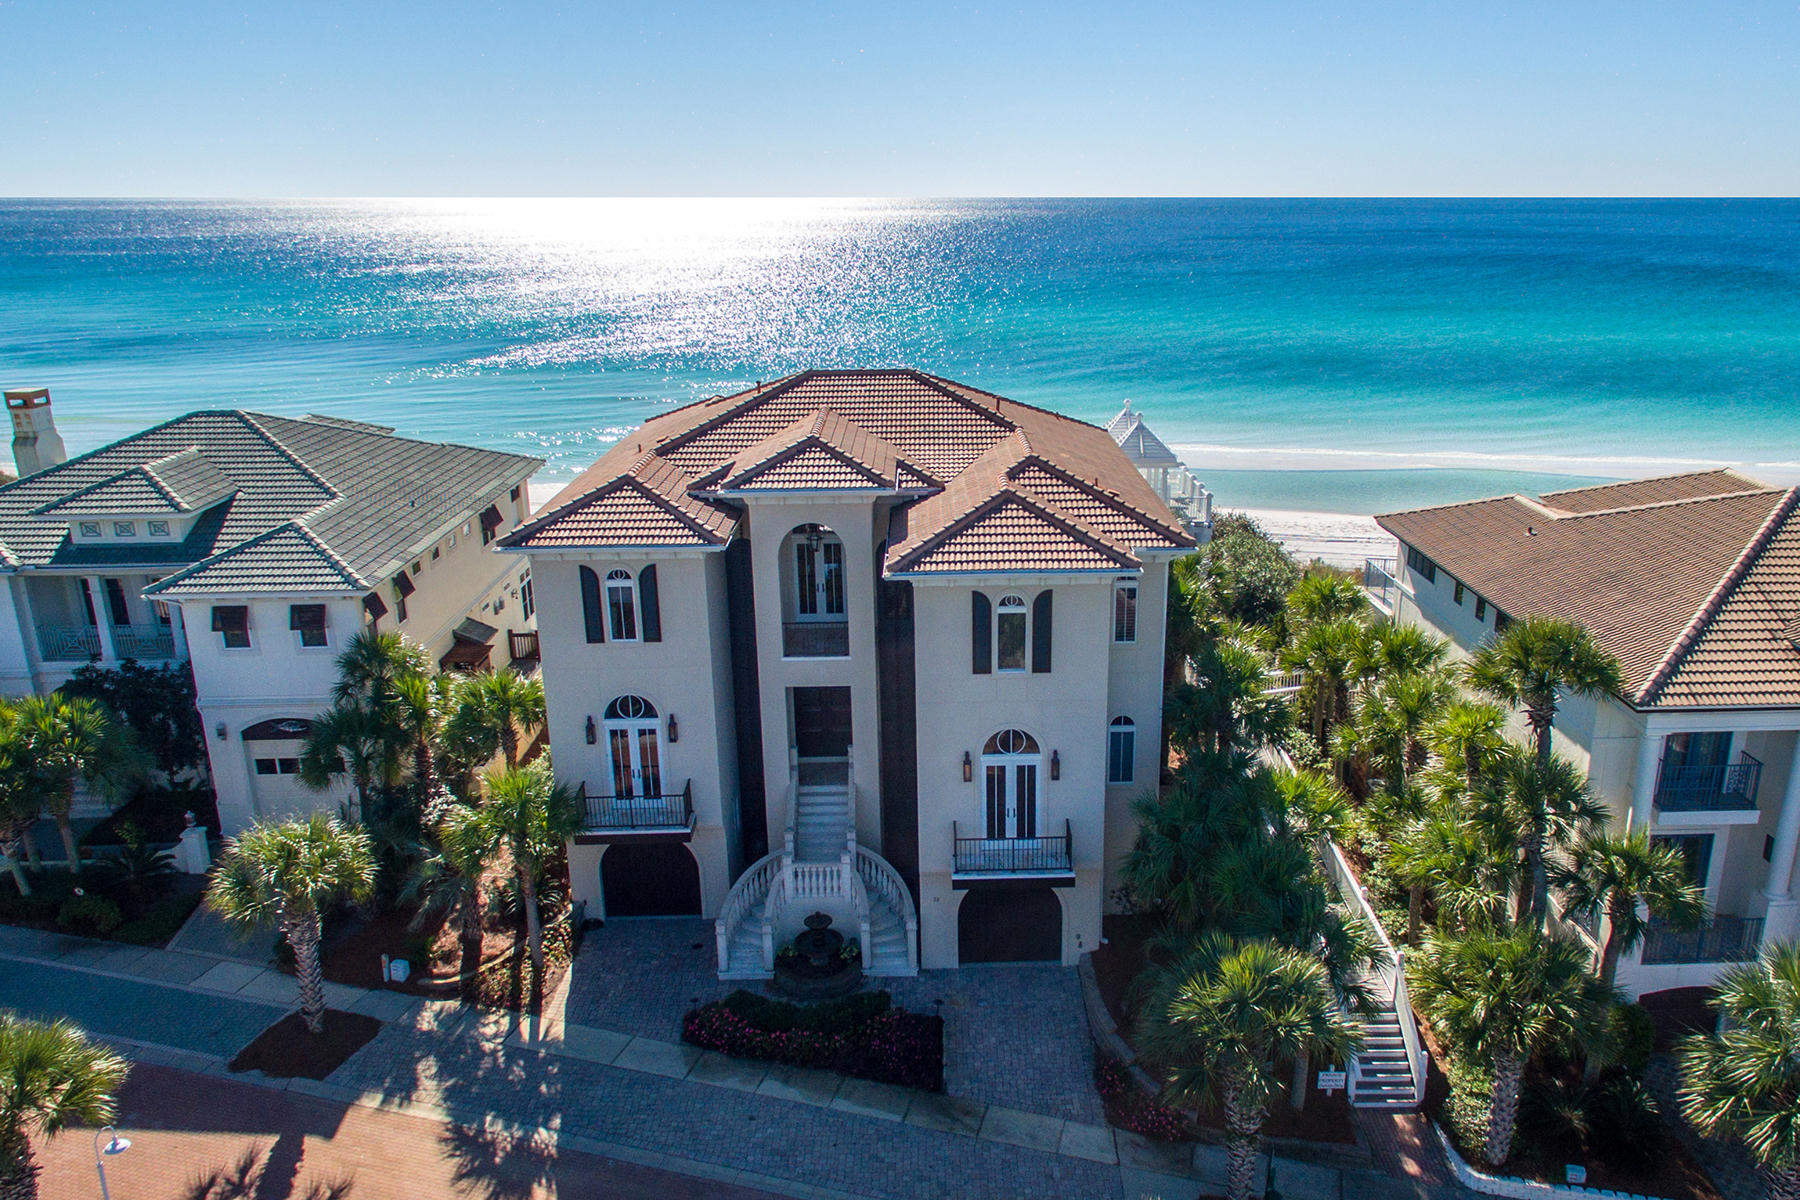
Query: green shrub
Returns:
{"type": "Point", "coordinates": [159, 922]}
{"type": "Point", "coordinates": [1626, 1126]}
{"type": "Point", "coordinates": [1554, 1119]}
{"type": "Point", "coordinates": [89, 913]}
{"type": "Point", "coordinates": [836, 1016]}
{"type": "Point", "coordinates": [1632, 1034]}
{"type": "Point", "coordinates": [1466, 1111]}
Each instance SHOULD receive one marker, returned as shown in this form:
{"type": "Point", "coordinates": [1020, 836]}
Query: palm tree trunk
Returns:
{"type": "Point", "coordinates": [1297, 1090]}
{"type": "Point", "coordinates": [1415, 912]}
{"type": "Point", "coordinates": [1540, 717]}
{"type": "Point", "coordinates": [1243, 1130]}
{"type": "Point", "coordinates": [18, 1170]}
{"type": "Point", "coordinates": [1784, 1183]}
{"type": "Point", "coordinates": [1609, 967]}
{"type": "Point", "coordinates": [67, 828]}
{"type": "Point", "coordinates": [12, 865]}
{"type": "Point", "coordinates": [31, 849]}
{"type": "Point", "coordinates": [303, 936]}
{"type": "Point", "coordinates": [471, 935]}
{"type": "Point", "coordinates": [1534, 884]}
{"type": "Point", "coordinates": [534, 934]}
{"type": "Point", "coordinates": [1503, 1109]}
{"type": "Point", "coordinates": [509, 743]}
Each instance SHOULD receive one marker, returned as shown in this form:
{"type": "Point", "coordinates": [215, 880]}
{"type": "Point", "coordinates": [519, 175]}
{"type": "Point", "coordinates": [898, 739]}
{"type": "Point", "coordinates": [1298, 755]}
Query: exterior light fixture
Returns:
{"type": "Point", "coordinates": [968, 768]}
{"type": "Point", "coordinates": [674, 730]}
{"type": "Point", "coordinates": [219, 731]}
{"type": "Point", "coordinates": [1055, 765]}
{"type": "Point", "coordinates": [814, 539]}
{"type": "Point", "coordinates": [592, 735]}
{"type": "Point", "coordinates": [114, 1147]}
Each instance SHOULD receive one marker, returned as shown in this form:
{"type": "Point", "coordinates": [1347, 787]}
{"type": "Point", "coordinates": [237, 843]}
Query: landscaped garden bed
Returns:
{"type": "Point", "coordinates": [104, 901]}
{"type": "Point", "coordinates": [288, 1049]}
{"type": "Point", "coordinates": [862, 1036]}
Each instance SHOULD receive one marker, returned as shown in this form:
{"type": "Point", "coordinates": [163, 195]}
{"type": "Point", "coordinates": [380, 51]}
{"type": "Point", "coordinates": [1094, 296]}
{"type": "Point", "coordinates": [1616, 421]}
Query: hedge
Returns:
{"type": "Point", "coordinates": [862, 1035]}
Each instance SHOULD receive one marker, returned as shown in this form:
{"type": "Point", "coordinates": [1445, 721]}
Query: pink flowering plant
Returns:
{"type": "Point", "coordinates": [862, 1035]}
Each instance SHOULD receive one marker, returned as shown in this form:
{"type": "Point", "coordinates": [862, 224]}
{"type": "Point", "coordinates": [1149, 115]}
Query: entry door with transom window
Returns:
{"type": "Point", "coordinates": [1010, 763]}
{"type": "Point", "coordinates": [631, 731]}
{"type": "Point", "coordinates": [818, 575]}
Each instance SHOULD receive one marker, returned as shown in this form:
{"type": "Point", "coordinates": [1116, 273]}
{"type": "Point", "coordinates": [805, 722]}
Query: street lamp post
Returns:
{"type": "Point", "coordinates": [115, 1145]}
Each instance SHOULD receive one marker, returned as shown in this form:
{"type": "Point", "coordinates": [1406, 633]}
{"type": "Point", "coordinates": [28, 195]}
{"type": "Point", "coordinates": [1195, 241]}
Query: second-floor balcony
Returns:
{"type": "Point", "coordinates": [1720, 939]}
{"type": "Point", "coordinates": [1722, 788]}
{"type": "Point", "coordinates": [1049, 859]}
{"type": "Point", "coordinates": [81, 643]}
{"type": "Point", "coordinates": [667, 814]}
{"type": "Point", "coordinates": [815, 639]}
{"type": "Point", "coordinates": [1381, 580]}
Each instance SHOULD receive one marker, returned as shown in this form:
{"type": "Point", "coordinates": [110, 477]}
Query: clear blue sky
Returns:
{"type": "Point", "coordinates": [1248, 97]}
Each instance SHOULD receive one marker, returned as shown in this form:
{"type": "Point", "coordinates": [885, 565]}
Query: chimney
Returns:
{"type": "Point", "coordinates": [36, 444]}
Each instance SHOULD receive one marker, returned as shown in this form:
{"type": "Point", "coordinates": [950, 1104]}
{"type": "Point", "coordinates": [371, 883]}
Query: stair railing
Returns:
{"type": "Point", "coordinates": [878, 876]}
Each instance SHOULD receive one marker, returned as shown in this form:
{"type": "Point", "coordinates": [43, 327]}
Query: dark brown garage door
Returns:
{"type": "Point", "coordinates": [1022, 925]}
{"type": "Point", "coordinates": [654, 879]}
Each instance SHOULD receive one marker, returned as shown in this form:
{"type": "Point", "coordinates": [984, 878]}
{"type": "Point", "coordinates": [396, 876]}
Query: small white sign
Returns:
{"type": "Point", "coordinates": [1331, 1081]}
{"type": "Point", "coordinates": [1575, 1174]}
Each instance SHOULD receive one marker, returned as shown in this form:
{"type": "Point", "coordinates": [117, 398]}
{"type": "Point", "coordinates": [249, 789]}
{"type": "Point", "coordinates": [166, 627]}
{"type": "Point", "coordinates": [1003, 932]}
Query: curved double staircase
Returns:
{"type": "Point", "coordinates": [819, 868]}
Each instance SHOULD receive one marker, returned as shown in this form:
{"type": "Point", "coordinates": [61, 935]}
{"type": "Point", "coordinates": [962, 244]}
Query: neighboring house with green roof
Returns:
{"type": "Point", "coordinates": [255, 547]}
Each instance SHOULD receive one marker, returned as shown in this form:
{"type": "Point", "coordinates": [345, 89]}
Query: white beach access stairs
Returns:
{"type": "Point", "coordinates": [819, 868]}
{"type": "Point", "coordinates": [1389, 1071]}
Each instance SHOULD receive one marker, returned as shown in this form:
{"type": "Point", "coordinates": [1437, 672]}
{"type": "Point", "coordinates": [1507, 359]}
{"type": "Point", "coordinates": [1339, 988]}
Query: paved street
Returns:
{"type": "Point", "coordinates": [198, 1137]}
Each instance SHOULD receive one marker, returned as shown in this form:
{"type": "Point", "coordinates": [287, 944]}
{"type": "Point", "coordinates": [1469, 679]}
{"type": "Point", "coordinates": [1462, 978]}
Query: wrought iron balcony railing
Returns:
{"type": "Point", "coordinates": [1721, 939]}
{"type": "Point", "coordinates": [815, 639]}
{"type": "Point", "coordinates": [1013, 856]}
{"type": "Point", "coordinates": [670, 810]}
{"type": "Point", "coordinates": [1720, 788]}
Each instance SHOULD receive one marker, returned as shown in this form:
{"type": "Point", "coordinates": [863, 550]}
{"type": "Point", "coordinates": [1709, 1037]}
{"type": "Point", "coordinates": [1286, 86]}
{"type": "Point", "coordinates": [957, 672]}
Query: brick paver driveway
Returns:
{"type": "Point", "coordinates": [198, 1137]}
{"type": "Point", "coordinates": [1014, 1034]}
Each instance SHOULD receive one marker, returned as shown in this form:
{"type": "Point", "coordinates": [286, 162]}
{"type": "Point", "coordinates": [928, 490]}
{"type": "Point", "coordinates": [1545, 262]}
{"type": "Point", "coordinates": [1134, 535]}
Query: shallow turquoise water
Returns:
{"type": "Point", "coordinates": [1548, 331]}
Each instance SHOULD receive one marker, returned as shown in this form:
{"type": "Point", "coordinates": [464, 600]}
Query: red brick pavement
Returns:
{"type": "Point", "coordinates": [1404, 1146]}
{"type": "Point", "coordinates": [198, 1137]}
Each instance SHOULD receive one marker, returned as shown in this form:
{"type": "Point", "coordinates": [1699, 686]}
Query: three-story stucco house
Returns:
{"type": "Point", "coordinates": [254, 547]}
{"type": "Point", "coordinates": [851, 640]}
{"type": "Point", "coordinates": [1693, 583]}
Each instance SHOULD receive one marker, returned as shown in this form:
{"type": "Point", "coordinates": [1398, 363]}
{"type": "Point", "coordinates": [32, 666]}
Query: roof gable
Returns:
{"type": "Point", "coordinates": [1010, 532]}
{"type": "Point", "coordinates": [286, 559]}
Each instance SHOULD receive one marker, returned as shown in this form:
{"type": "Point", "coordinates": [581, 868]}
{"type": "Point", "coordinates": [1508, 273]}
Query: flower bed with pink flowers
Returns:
{"type": "Point", "coordinates": [862, 1035]}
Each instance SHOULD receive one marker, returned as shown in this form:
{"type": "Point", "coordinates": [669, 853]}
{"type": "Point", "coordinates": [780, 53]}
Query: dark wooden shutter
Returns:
{"type": "Point", "coordinates": [591, 612]}
{"type": "Point", "coordinates": [647, 598]}
{"type": "Point", "coordinates": [1040, 633]}
{"type": "Point", "coordinates": [981, 631]}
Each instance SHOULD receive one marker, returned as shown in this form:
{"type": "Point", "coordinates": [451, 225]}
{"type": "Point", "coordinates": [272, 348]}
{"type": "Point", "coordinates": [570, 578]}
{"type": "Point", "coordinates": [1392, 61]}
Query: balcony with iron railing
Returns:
{"type": "Point", "coordinates": [1720, 939]}
{"type": "Point", "coordinates": [81, 643]}
{"type": "Point", "coordinates": [1720, 788]}
{"type": "Point", "coordinates": [1044, 858]}
{"type": "Point", "coordinates": [664, 814]}
{"type": "Point", "coordinates": [815, 639]}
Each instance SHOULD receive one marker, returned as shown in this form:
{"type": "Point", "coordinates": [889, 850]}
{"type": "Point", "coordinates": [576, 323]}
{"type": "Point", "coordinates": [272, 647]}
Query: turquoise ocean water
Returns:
{"type": "Point", "coordinates": [1289, 349]}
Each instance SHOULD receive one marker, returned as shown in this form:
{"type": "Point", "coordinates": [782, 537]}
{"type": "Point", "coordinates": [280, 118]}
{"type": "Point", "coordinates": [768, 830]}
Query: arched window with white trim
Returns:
{"type": "Point", "coordinates": [631, 747]}
{"type": "Point", "coordinates": [621, 605]}
{"type": "Point", "coordinates": [1121, 750]}
{"type": "Point", "coordinates": [1010, 763]}
{"type": "Point", "coordinates": [1011, 633]}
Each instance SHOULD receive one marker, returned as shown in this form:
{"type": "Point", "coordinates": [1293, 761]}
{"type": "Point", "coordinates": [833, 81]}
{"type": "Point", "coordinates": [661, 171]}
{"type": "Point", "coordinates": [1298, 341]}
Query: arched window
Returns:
{"type": "Point", "coordinates": [1010, 627]}
{"type": "Point", "coordinates": [1121, 750]}
{"type": "Point", "coordinates": [1009, 767]}
{"type": "Point", "coordinates": [631, 747]}
{"type": "Point", "coordinates": [621, 605]}
{"type": "Point", "coordinates": [818, 574]}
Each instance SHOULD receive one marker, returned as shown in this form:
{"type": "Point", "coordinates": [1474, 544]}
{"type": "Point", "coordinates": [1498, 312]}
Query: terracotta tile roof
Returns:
{"type": "Point", "coordinates": [1691, 486]}
{"type": "Point", "coordinates": [1691, 587]}
{"type": "Point", "coordinates": [367, 497]}
{"type": "Point", "coordinates": [1074, 502]}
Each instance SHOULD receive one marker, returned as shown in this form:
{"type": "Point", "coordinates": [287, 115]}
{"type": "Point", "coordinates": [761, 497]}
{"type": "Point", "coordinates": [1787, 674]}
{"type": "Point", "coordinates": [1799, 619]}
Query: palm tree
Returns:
{"type": "Point", "coordinates": [1536, 659]}
{"type": "Point", "coordinates": [1549, 803]}
{"type": "Point", "coordinates": [448, 877]}
{"type": "Point", "coordinates": [1744, 1082]}
{"type": "Point", "coordinates": [74, 740]}
{"type": "Point", "coordinates": [1470, 739]}
{"type": "Point", "coordinates": [492, 707]}
{"type": "Point", "coordinates": [372, 664]}
{"type": "Point", "coordinates": [1390, 651]}
{"type": "Point", "coordinates": [422, 703]}
{"type": "Point", "coordinates": [1228, 706]}
{"type": "Point", "coordinates": [1618, 875]}
{"type": "Point", "coordinates": [1319, 598]}
{"type": "Point", "coordinates": [1327, 652]}
{"type": "Point", "coordinates": [290, 873]}
{"type": "Point", "coordinates": [349, 739]}
{"type": "Point", "coordinates": [1222, 1018]}
{"type": "Point", "coordinates": [51, 1076]}
{"type": "Point", "coordinates": [1501, 997]}
{"type": "Point", "coordinates": [533, 816]}
{"type": "Point", "coordinates": [1391, 723]}
{"type": "Point", "coordinates": [1418, 858]}
{"type": "Point", "coordinates": [19, 799]}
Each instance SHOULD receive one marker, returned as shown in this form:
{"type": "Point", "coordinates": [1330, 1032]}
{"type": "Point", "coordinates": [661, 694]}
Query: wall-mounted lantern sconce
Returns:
{"type": "Point", "coordinates": [592, 736]}
{"type": "Point", "coordinates": [219, 731]}
{"type": "Point", "coordinates": [674, 730]}
{"type": "Point", "coordinates": [1055, 765]}
{"type": "Point", "coordinates": [968, 768]}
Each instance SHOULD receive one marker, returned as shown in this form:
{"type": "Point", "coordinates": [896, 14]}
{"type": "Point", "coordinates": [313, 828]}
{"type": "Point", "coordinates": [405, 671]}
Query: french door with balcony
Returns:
{"type": "Point", "coordinates": [632, 748]}
{"type": "Point", "coordinates": [1010, 765]}
{"type": "Point", "coordinates": [818, 578]}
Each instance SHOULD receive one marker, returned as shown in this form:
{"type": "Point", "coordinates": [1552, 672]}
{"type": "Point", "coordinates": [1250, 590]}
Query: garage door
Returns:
{"type": "Point", "coordinates": [1009, 925]}
{"type": "Point", "coordinates": [650, 879]}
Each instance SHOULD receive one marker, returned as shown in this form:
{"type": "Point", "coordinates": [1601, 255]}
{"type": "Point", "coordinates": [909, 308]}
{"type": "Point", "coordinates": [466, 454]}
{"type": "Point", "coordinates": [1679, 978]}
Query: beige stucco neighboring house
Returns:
{"type": "Point", "coordinates": [871, 643]}
{"type": "Point", "coordinates": [1693, 583]}
{"type": "Point", "coordinates": [253, 547]}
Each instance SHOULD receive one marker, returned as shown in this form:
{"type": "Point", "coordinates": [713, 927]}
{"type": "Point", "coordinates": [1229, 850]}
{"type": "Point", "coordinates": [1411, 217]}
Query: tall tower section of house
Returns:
{"type": "Point", "coordinates": [36, 444]}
